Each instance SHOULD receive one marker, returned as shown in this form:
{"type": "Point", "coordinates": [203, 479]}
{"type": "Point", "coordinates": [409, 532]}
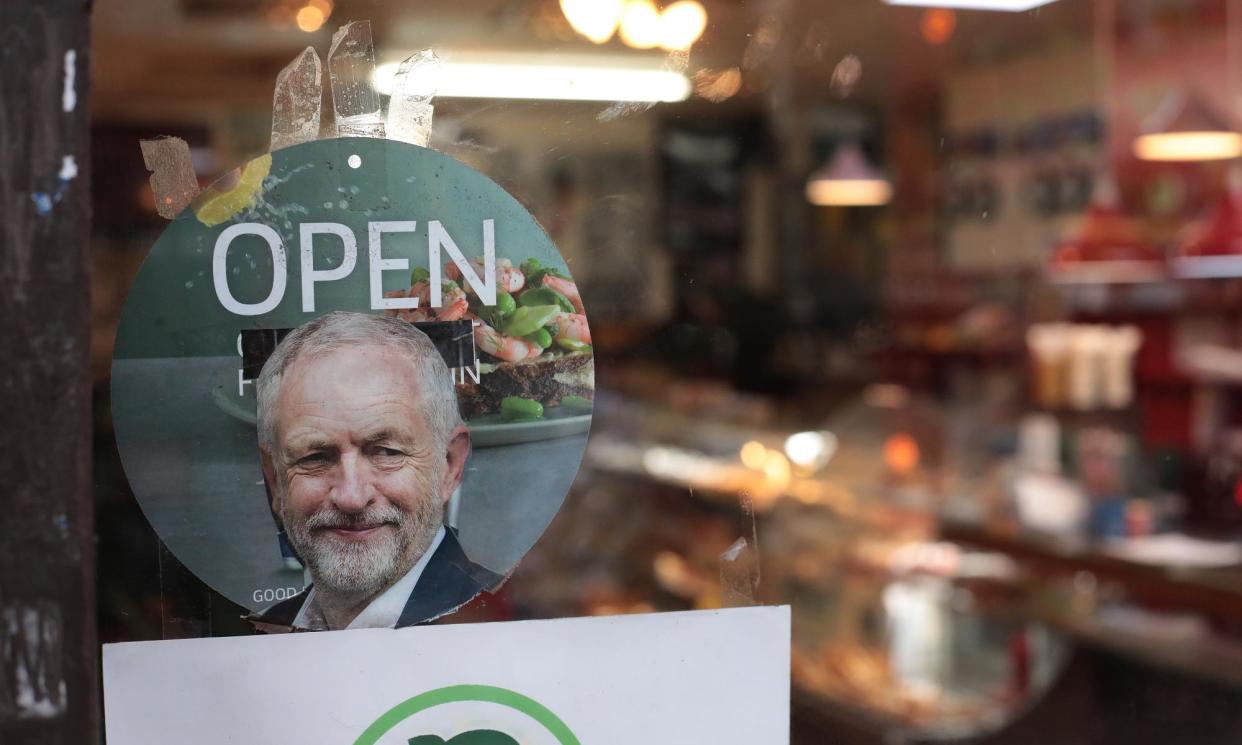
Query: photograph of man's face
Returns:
{"type": "Point", "coordinates": [362, 446]}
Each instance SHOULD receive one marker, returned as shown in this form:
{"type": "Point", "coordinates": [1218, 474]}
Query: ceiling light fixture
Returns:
{"type": "Point", "coordinates": [518, 76]}
{"type": "Point", "coordinates": [1008, 6]}
{"type": "Point", "coordinates": [595, 19]}
{"type": "Point", "coordinates": [848, 180]}
{"type": "Point", "coordinates": [937, 25]}
{"type": "Point", "coordinates": [681, 24]}
{"type": "Point", "coordinates": [640, 24]}
{"type": "Point", "coordinates": [1184, 129]}
{"type": "Point", "coordinates": [310, 18]}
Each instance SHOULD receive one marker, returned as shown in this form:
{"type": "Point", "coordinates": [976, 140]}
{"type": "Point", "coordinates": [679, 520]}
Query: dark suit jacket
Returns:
{"type": "Point", "coordinates": [448, 581]}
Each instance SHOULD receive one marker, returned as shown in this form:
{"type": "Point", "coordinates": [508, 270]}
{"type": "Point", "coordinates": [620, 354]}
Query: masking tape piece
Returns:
{"type": "Point", "coordinates": [172, 174]}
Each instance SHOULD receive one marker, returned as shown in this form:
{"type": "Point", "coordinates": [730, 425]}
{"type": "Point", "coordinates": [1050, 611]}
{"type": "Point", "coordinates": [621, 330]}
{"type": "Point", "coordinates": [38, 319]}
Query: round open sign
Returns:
{"type": "Point", "coordinates": [358, 365]}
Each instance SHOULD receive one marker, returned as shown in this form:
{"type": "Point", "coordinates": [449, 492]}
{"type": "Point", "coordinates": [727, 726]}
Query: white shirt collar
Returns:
{"type": "Point", "coordinates": [385, 610]}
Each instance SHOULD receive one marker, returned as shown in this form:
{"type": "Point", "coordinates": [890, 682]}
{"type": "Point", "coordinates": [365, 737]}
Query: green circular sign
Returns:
{"type": "Point", "coordinates": [468, 693]}
{"type": "Point", "coordinates": [366, 226]}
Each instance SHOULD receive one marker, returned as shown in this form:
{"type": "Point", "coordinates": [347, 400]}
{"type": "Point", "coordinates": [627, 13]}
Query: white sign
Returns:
{"type": "Point", "coordinates": [718, 677]}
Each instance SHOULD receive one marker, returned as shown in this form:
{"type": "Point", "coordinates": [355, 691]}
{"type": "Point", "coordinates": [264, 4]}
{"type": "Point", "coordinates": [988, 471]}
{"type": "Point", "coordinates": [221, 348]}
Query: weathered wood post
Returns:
{"type": "Point", "coordinates": [48, 650]}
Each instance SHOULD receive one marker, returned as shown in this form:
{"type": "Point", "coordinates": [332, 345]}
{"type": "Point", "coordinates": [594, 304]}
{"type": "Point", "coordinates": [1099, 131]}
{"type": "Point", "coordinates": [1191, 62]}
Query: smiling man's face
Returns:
{"type": "Point", "coordinates": [359, 479]}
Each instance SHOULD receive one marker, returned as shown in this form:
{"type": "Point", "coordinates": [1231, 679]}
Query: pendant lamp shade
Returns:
{"type": "Point", "coordinates": [848, 180]}
{"type": "Point", "coordinates": [1185, 128]}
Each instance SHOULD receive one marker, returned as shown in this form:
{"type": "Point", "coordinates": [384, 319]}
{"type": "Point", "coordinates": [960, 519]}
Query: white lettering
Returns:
{"type": "Point", "coordinates": [484, 287]}
{"type": "Point", "coordinates": [438, 240]}
{"type": "Point", "coordinates": [311, 275]}
{"type": "Point", "coordinates": [219, 275]}
{"type": "Point", "coordinates": [268, 595]}
{"type": "Point", "coordinates": [375, 232]}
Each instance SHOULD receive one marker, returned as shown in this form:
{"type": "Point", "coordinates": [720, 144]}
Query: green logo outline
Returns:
{"type": "Point", "coordinates": [454, 694]}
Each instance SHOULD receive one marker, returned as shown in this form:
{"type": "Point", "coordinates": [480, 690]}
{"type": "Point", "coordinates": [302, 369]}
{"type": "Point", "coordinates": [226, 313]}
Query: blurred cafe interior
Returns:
{"type": "Point", "coordinates": [922, 318]}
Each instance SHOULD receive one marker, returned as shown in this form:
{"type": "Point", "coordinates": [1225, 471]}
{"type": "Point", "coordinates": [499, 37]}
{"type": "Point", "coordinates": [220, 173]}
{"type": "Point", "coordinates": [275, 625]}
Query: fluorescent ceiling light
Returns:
{"type": "Point", "coordinates": [1010, 6]}
{"type": "Point", "coordinates": [541, 77]}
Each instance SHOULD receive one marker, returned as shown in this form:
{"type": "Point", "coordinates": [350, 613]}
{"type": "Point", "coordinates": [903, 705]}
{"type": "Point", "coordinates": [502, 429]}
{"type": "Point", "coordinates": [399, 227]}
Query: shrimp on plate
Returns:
{"type": "Point", "coordinates": [507, 348]}
{"type": "Point", "coordinates": [453, 305]}
{"type": "Point", "coordinates": [412, 315]}
{"type": "Point", "coordinates": [572, 327]}
{"type": "Point", "coordinates": [567, 288]}
{"type": "Point", "coordinates": [509, 278]}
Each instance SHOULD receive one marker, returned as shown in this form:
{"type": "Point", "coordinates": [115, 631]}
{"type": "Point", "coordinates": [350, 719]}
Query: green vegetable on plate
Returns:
{"type": "Point", "coordinates": [518, 409]}
{"type": "Point", "coordinates": [530, 266]}
{"type": "Point", "coordinates": [528, 319]}
{"type": "Point", "coordinates": [573, 345]}
{"type": "Point", "coordinates": [535, 271]}
{"type": "Point", "coordinates": [541, 337]}
{"type": "Point", "coordinates": [546, 296]}
{"type": "Point", "coordinates": [505, 304]}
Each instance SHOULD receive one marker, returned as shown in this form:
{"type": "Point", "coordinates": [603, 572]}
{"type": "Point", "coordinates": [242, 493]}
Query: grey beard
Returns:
{"type": "Point", "coordinates": [363, 570]}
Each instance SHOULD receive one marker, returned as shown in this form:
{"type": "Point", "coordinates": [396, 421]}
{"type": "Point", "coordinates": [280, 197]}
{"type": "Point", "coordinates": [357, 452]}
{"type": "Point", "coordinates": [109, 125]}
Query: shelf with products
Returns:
{"type": "Point", "coordinates": [1088, 609]}
{"type": "Point", "coordinates": [853, 545]}
{"type": "Point", "coordinates": [1214, 591]}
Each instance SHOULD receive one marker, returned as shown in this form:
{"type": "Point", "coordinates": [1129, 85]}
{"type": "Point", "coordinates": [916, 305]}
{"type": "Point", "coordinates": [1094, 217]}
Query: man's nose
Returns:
{"type": "Point", "coordinates": [352, 492]}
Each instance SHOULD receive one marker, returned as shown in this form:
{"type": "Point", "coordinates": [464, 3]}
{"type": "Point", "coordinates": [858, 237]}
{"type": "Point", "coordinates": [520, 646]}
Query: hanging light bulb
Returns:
{"type": "Point", "coordinates": [848, 180]}
{"type": "Point", "coordinates": [1183, 128]}
{"type": "Point", "coordinates": [640, 24]}
{"type": "Point", "coordinates": [681, 24]}
{"type": "Point", "coordinates": [594, 19]}
{"type": "Point", "coordinates": [310, 18]}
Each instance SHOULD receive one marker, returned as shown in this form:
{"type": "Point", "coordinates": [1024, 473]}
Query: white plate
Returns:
{"type": "Point", "coordinates": [489, 430]}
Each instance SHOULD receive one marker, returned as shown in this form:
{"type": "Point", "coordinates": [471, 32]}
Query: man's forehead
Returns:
{"type": "Point", "coordinates": [363, 376]}
{"type": "Point", "coordinates": [353, 368]}
{"type": "Point", "coordinates": [359, 354]}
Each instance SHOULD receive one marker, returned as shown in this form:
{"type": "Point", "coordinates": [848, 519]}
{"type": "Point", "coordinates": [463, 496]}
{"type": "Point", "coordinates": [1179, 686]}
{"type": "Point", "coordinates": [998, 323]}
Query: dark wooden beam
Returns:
{"type": "Point", "coordinates": [48, 651]}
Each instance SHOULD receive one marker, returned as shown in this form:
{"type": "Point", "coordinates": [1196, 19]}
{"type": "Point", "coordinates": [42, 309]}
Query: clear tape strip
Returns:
{"type": "Point", "coordinates": [297, 101]}
{"type": "Point", "coordinates": [351, 64]}
{"type": "Point", "coordinates": [739, 565]}
{"type": "Point", "coordinates": [410, 111]}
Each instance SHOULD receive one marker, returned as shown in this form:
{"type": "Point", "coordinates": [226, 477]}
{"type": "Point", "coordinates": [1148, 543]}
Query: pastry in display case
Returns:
{"type": "Point", "coordinates": [889, 621]}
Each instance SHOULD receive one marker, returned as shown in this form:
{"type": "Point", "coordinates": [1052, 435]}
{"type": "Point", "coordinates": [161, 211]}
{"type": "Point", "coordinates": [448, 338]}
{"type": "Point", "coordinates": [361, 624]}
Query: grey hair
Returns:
{"type": "Point", "coordinates": [342, 330]}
